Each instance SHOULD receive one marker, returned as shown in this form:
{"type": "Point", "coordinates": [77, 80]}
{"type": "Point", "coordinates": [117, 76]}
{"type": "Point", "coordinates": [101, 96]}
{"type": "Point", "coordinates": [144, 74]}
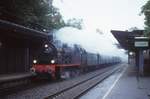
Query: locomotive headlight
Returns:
{"type": "Point", "coordinates": [131, 53]}
{"type": "Point", "coordinates": [46, 45]}
{"type": "Point", "coordinates": [34, 61]}
{"type": "Point", "coordinates": [52, 61]}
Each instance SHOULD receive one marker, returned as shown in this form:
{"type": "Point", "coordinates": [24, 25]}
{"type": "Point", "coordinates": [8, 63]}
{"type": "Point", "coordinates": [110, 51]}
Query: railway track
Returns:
{"type": "Point", "coordinates": [78, 89]}
{"type": "Point", "coordinates": [20, 85]}
{"type": "Point", "coordinates": [67, 89]}
{"type": "Point", "coordinates": [13, 86]}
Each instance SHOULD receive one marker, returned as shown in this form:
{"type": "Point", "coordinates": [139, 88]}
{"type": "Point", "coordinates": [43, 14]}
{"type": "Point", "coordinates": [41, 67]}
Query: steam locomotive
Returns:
{"type": "Point", "coordinates": [55, 62]}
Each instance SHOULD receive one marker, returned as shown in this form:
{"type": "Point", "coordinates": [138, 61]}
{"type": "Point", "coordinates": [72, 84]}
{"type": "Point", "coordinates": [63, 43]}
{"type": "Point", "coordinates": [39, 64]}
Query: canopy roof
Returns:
{"type": "Point", "coordinates": [123, 37]}
{"type": "Point", "coordinates": [19, 31]}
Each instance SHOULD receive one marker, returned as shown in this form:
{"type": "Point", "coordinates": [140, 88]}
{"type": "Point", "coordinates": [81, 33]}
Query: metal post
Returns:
{"type": "Point", "coordinates": [137, 59]}
{"type": "Point", "coordinates": [128, 58]}
{"type": "Point", "coordinates": [27, 59]}
{"type": "Point", "coordinates": [141, 62]}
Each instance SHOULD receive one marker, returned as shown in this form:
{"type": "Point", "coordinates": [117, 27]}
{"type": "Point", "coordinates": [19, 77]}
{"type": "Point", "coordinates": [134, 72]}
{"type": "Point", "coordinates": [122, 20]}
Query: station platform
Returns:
{"type": "Point", "coordinates": [130, 86]}
{"type": "Point", "coordinates": [10, 77]}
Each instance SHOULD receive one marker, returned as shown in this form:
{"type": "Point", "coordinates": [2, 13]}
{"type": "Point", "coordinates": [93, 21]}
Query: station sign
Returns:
{"type": "Point", "coordinates": [141, 42]}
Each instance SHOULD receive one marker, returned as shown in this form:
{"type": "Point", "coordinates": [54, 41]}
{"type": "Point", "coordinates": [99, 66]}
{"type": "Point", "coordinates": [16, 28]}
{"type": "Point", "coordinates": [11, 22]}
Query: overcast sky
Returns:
{"type": "Point", "coordinates": [104, 14]}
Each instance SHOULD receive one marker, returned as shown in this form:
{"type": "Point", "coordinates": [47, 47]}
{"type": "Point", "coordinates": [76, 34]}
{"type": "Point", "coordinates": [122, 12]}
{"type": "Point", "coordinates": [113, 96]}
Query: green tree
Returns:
{"type": "Point", "coordinates": [146, 11]}
{"type": "Point", "coordinates": [36, 14]}
{"type": "Point", "coordinates": [76, 23]}
{"type": "Point", "coordinates": [132, 29]}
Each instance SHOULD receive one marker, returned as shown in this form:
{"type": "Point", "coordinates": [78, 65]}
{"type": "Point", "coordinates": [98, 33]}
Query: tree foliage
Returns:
{"type": "Point", "coordinates": [36, 14]}
{"type": "Point", "coordinates": [146, 11]}
{"type": "Point", "coordinates": [76, 23]}
{"type": "Point", "coordinates": [132, 29]}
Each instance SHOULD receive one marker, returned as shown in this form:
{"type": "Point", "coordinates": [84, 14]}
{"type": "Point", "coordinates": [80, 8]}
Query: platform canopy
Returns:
{"type": "Point", "coordinates": [15, 35]}
{"type": "Point", "coordinates": [19, 31]}
{"type": "Point", "coordinates": [124, 37]}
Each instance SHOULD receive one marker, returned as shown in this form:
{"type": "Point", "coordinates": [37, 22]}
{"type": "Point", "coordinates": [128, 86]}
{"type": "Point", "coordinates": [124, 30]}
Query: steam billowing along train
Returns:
{"type": "Point", "coordinates": [66, 62]}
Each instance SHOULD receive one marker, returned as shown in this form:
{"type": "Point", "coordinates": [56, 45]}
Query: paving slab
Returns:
{"type": "Point", "coordinates": [131, 86]}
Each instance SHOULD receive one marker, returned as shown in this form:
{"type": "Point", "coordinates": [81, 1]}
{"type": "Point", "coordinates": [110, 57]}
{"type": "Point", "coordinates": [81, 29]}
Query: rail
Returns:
{"type": "Point", "coordinates": [75, 91]}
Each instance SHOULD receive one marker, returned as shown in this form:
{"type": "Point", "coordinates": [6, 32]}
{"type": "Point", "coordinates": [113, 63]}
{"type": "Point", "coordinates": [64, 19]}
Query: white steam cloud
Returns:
{"type": "Point", "coordinates": [90, 40]}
